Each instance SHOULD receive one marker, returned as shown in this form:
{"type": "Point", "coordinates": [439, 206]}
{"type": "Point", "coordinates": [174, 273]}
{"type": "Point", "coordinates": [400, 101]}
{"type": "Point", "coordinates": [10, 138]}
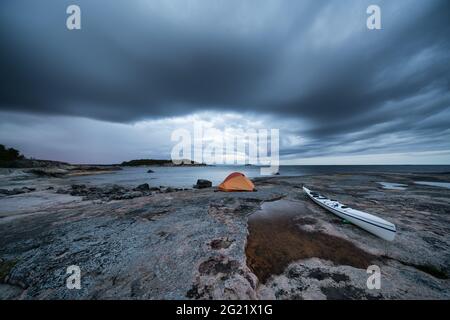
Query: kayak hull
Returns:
{"type": "Point", "coordinates": [375, 225]}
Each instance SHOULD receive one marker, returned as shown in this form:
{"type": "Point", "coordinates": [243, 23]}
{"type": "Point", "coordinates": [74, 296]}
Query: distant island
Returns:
{"type": "Point", "coordinates": [12, 158]}
{"type": "Point", "coordinates": [160, 162]}
{"type": "Point", "coordinates": [9, 156]}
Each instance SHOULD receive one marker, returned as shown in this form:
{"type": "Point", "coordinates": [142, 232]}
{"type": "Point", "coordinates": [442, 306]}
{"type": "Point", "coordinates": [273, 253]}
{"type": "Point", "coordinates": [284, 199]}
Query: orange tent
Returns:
{"type": "Point", "coordinates": [236, 182]}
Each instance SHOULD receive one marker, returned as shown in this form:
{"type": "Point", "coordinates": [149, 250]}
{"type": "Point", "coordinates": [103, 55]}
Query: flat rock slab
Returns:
{"type": "Point", "coordinates": [191, 244]}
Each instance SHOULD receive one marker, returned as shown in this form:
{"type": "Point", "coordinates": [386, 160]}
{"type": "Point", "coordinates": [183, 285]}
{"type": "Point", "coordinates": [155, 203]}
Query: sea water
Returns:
{"type": "Point", "coordinates": [187, 176]}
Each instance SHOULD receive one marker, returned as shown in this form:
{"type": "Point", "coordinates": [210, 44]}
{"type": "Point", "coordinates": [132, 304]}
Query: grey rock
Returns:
{"type": "Point", "coordinates": [16, 191]}
{"type": "Point", "coordinates": [108, 193]}
{"type": "Point", "coordinates": [202, 183]}
{"type": "Point", "coordinates": [62, 191]}
{"type": "Point", "coordinates": [78, 186]}
{"type": "Point", "coordinates": [143, 187]}
{"type": "Point", "coordinates": [131, 195]}
{"type": "Point", "coordinates": [192, 244]}
{"type": "Point", "coordinates": [48, 172]}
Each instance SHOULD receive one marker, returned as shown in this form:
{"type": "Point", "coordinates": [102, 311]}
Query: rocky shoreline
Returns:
{"type": "Point", "coordinates": [114, 192]}
{"type": "Point", "coordinates": [147, 242]}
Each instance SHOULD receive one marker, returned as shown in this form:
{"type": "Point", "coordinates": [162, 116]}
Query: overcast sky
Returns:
{"type": "Point", "coordinates": [137, 70]}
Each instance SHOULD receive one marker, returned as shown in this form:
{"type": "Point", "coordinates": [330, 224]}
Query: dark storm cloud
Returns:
{"type": "Point", "coordinates": [311, 60]}
{"type": "Point", "coordinates": [125, 64]}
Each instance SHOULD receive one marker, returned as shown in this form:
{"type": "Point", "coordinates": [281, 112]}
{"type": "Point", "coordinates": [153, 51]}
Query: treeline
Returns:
{"type": "Point", "coordinates": [157, 162]}
{"type": "Point", "coordinates": [9, 154]}
{"type": "Point", "coordinates": [145, 162]}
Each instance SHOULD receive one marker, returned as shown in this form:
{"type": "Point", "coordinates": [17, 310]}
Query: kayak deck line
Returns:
{"type": "Point", "coordinates": [387, 226]}
{"type": "Point", "coordinates": [371, 223]}
{"type": "Point", "coordinates": [367, 221]}
{"type": "Point", "coordinates": [345, 210]}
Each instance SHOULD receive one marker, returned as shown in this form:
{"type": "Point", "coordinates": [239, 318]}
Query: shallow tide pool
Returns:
{"type": "Point", "coordinates": [276, 239]}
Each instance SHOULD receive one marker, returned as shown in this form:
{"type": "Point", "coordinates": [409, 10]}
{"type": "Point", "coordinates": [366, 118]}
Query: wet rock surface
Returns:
{"type": "Point", "coordinates": [192, 243]}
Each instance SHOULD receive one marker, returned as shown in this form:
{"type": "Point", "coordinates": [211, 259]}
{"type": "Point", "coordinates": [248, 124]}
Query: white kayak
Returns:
{"type": "Point", "coordinates": [375, 225]}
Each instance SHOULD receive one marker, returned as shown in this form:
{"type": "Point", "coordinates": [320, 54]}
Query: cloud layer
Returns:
{"type": "Point", "coordinates": [348, 89]}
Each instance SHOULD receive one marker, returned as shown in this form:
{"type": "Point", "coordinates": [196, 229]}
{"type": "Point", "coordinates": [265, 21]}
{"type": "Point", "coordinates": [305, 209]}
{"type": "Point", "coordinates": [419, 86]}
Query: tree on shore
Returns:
{"type": "Point", "coordinates": [9, 154]}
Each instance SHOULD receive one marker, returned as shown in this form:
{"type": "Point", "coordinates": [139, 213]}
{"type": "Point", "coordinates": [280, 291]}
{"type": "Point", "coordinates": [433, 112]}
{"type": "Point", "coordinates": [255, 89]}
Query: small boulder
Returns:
{"type": "Point", "coordinates": [62, 191]}
{"type": "Point", "coordinates": [201, 184]}
{"type": "Point", "coordinates": [169, 189]}
{"type": "Point", "coordinates": [78, 186]}
{"type": "Point", "coordinates": [114, 189]}
{"type": "Point", "coordinates": [150, 171]}
{"type": "Point", "coordinates": [131, 195]}
{"type": "Point", "coordinates": [142, 187]}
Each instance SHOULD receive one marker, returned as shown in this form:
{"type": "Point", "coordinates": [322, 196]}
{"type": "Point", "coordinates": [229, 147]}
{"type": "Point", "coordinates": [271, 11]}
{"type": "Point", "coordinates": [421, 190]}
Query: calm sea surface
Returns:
{"type": "Point", "coordinates": [187, 176]}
